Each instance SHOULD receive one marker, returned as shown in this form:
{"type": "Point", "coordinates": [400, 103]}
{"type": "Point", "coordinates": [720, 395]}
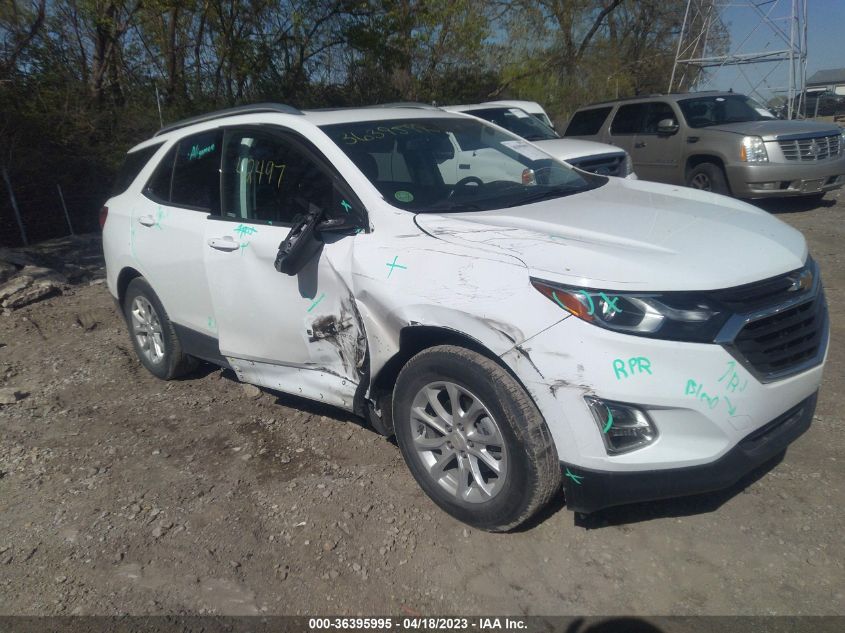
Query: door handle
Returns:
{"type": "Point", "coordinates": [225, 243]}
{"type": "Point", "coordinates": [639, 144]}
{"type": "Point", "coordinates": [147, 220]}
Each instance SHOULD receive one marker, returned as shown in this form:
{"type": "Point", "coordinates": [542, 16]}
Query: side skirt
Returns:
{"type": "Point", "coordinates": [200, 345]}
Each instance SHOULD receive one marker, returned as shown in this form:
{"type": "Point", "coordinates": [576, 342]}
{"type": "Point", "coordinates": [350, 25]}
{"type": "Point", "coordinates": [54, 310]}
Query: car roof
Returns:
{"type": "Point", "coordinates": [281, 113]}
{"type": "Point", "coordinates": [518, 103]}
{"type": "Point", "coordinates": [481, 106]}
{"type": "Point", "coordinates": [672, 96]}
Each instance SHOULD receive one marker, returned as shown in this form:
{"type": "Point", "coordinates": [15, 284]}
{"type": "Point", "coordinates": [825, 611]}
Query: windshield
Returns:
{"type": "Point", "coordinates": [517, 121]}
{"type": "Point", "coordinates": [441, 165]}
{"type": "Point", "coordinates": [706, 111]}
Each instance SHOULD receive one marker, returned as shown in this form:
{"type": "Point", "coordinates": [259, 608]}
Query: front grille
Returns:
{"type": "Point", "coordinates": [606, 164]}
{"type": "Point", "coordinates": [776, 344]}
{"type": "Point", "coordinates": [808, 149]}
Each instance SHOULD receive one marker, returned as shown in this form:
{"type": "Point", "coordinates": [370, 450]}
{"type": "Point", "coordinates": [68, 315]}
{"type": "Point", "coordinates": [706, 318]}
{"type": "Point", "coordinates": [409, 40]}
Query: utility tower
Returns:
{"type": "Point", "coordinates": [769, 48]}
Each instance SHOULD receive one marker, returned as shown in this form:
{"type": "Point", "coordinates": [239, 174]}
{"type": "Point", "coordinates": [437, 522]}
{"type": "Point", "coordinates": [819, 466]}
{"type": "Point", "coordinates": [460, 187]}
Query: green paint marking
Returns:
{"type": "Point", "coordinates": [592, 309]}
{"type": "Point", "coordinates": [558, 301]}
{"type": "Point", "coordinates": [346, 206]}
{"type": "Point", "coordinates": [212, 324]}
{"type": "Point", "coordinates": [731, 408]}
{"type": "Point", "coordinates": [243, 247]}
{"type": "Point", "coordinates": [196, 152]}
{"type": "Point", "coordinates": [244, 231]}
{"type": "Point", "coordinates": [394, 265]}
{"type": "Point", "coordinates": [314, 305]}
{"type": "Point", "coordinates": [609, 420]}
{"type": "Point", "coordinates": [576, 478]}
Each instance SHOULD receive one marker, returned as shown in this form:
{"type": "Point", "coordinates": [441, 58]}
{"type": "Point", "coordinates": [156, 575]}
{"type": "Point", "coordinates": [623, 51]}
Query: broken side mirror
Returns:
{"type": "Point", "coordinates": [339, 225]}
{"type": "Point", "coordinates": [301, 243]}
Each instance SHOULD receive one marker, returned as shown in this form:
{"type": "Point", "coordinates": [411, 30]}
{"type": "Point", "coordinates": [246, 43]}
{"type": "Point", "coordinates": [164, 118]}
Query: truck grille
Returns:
{"type": "Point", "coordinates": [806, 149]}
{"type": "Point", "coordinates": [606, 164]}
{"type": "Point", "coordinates": [781, 342]}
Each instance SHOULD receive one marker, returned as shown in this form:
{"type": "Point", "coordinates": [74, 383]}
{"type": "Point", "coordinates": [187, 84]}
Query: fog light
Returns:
{"type": "Point", "coordinates": [766, 186]}
{"type": "Point", "coordinates": [623, 427]}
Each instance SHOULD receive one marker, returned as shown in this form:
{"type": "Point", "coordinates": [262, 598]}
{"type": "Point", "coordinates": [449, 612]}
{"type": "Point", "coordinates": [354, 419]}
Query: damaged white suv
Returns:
{"type": "Point", "coordinates": [525, 328]}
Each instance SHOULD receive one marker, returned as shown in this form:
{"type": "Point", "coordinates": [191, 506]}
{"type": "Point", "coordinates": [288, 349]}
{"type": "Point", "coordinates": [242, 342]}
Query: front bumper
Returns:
{"type": "Point", "coordinates": [796, 178]}
{"type": "Point", "coordinates": [589, 490]}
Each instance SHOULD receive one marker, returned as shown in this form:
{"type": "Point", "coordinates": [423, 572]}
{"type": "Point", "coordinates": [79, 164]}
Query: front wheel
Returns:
{"type": "Point", "coordinates": [473, 438]}
{"type": "Point", "coordinates": [708, 177]}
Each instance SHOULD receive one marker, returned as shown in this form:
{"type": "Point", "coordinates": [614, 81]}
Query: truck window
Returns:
{"type": "Point", "coordinates": [587, 122]}
{"type": "Point", "coordinates": [629, 119]}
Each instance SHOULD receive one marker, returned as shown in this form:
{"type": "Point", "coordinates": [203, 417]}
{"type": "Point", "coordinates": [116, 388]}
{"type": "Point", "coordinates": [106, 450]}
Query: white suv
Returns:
{"type": "Point", "coordinates": [525, 328]}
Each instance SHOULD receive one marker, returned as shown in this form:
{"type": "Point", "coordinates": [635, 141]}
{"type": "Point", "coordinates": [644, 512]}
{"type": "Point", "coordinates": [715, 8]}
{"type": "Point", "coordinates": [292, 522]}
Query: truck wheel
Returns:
{"type": "Point", "coordinates": [153, 337]}
{"type": "Point", "coordinates": [473, 438]}
{"type": "Point", "coordinates": [708, 177]}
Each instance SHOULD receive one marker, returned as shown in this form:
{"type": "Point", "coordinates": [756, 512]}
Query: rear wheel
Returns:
{"type": "Point", "coordinates": [473, 438]}
{"type": "Point", "coordinates": [708, 177]}
{"type": "Point", "coordinates": [153, 336]}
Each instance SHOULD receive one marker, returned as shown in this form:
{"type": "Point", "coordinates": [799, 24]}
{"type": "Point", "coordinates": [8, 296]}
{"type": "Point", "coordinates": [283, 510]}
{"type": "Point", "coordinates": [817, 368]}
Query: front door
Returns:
{"type": "Point", "coordinates": [300, 334]}
{"type": "Point", "coordinates": [657, 155]}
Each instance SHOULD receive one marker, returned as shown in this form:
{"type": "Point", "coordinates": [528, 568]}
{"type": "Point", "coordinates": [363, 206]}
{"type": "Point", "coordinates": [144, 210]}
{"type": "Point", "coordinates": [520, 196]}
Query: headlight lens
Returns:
{"type": "Point", "coordinates": [753, 150]}
{"type": "Point", "coordinates": [678, 316]}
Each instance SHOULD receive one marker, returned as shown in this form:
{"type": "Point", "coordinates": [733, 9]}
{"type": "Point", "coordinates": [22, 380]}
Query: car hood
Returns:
{"type": "Point", "coordinates": [770, 130]}
{"type": "Point", "coordinates": [633, 235]}
{"type": "Point", "coordinates": [570, 149]}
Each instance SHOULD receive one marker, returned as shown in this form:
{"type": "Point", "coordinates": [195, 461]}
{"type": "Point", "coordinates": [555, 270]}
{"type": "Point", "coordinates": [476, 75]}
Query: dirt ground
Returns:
{"type": "Point", "coordinates": [121, 494]}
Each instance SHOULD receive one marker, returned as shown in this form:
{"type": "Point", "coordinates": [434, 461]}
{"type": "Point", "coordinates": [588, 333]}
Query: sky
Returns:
{"type": "Point", "coordinates": [825, 47]}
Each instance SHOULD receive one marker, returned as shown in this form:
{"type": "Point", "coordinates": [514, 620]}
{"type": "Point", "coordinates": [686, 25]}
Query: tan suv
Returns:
{"type": "Point", "coordinates": [718, 141]}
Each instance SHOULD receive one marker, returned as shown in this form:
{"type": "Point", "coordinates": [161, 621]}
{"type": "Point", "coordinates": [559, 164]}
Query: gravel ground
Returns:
{"type": "Point", "coordinates": [122, 494]}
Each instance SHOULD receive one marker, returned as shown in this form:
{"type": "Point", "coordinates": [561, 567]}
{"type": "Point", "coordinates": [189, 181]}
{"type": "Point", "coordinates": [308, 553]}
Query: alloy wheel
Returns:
{"type": "Point", "coordinates": [458, 442]}
{"type": "Point", "coordinates": [146, 327]}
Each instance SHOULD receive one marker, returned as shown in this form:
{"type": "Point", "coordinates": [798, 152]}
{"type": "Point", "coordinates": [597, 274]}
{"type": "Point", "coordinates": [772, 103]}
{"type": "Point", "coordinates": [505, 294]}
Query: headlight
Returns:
{"type": "Point", "coordinates": [677, 316]}
{"type": "Point", "coordinates": [753, 150]}
{"type": "Point", "coordinates": [628, 166]}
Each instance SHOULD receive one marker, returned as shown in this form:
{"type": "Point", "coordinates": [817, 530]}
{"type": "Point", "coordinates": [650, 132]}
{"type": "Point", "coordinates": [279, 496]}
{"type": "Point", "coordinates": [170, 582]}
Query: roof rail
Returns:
{"type": "Point", "coordinates": [255, 108]}
{"type": "Point", "coordinates": [405, 104]}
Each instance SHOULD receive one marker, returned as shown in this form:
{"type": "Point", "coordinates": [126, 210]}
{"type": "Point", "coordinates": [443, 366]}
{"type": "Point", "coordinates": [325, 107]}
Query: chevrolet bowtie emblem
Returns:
{"type": "Point", "coordinates": [801, 282]}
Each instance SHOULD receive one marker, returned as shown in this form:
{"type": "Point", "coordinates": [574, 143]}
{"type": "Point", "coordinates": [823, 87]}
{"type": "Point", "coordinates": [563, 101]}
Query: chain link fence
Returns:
{"type": "Point", "coordinates": [33, 211]}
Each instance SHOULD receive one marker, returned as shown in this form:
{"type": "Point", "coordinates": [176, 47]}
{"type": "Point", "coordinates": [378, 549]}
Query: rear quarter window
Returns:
{"type": "Point", "coordinates": [196, 175]}
{"type": "Point", "coordinates": [587, 122]}
{"type": "Point", "coordinates": [131, 167]}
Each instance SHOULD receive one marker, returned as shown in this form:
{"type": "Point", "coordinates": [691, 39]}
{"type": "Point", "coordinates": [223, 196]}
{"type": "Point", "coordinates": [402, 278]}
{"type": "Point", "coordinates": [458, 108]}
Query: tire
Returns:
{"type": "Point", "coordinates": [503, 427]}
{"type": "Point", "coordinates": [160, 352]}
{"type": "Point", "coordinates": [708, 177]}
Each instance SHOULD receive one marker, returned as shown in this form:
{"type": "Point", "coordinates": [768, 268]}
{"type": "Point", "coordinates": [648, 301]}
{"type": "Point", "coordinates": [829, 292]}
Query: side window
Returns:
{"type": "Point", "coordinates": [158, 186]}
{"type": "Point", "coordinates": [657, 111]}
{"type": "Point", "coordinates": [629, 119]}
{"type": "Point", "coordinates": [269, 178]}
{"type": "Point", "coordinates": [196, 175]}
{"type": "Point", "coordinates": [587, 122]}
{"type": "Point", "coordinates": [132, 166]}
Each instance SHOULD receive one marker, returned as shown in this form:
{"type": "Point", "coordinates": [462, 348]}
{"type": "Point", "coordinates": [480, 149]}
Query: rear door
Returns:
{"type": "Point", "coordinates": [300, 334]}
{"type": "Point", "coordinates": [167, 227]}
